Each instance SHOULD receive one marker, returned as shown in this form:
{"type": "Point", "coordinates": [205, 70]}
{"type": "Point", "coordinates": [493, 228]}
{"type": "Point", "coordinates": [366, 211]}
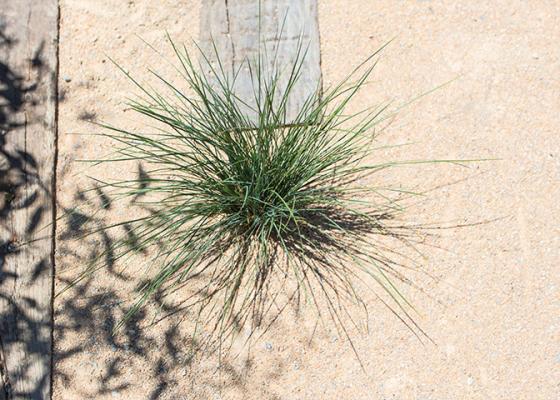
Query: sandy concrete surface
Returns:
{"type": "Point", "coordinates": [492, 304]}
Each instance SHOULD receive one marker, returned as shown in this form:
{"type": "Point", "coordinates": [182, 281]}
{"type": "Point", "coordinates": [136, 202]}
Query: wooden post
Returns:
{"type": "Point", "coordinates": [28, 91]}
{"type": "Point", "coordinates": [239, 28]}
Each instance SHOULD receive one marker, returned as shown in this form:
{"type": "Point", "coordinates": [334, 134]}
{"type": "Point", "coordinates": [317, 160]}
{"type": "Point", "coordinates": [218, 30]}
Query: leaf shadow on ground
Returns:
{"type": "Point", "coordinates": [87, 314]}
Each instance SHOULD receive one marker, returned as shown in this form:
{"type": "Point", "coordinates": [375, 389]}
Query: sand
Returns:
{"type": "Point", "coordinates": [493, 306]}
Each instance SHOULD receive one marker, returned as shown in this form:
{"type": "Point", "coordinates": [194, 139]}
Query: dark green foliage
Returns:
{"type": "Point", "coordinates": [262, 210]}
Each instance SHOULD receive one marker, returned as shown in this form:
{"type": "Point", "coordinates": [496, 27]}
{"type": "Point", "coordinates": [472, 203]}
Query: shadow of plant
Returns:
{"type": "Point", "coordinates": [21, 191]}
{"type": "Point", "coordinates": [84, 311]}
{"type": "Point", "coordinates": [88, 312]}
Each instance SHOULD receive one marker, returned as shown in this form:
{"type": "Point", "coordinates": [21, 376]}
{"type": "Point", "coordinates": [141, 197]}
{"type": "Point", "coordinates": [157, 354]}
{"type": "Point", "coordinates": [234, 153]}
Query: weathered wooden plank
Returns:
{"type": "Point", "coordinates": [28, 65]}
{"type": "Point", "coordinates": [242, 28]}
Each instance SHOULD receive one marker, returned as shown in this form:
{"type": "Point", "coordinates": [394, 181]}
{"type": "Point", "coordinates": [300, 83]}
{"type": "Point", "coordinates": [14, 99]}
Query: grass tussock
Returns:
{"type": "Point", "coordinates": [258, 208]}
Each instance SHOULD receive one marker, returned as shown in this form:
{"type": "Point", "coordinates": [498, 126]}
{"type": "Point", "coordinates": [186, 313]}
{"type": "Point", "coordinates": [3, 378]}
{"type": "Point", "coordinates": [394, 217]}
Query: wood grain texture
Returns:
{"type": "Point", "coordinates": [241, 28]}
{"type": "Point", "coordinates": [28, 65]}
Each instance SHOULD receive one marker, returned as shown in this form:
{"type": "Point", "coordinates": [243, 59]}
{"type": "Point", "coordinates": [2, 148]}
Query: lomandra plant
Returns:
{"type": "Point", "coordinates": [262, 208]}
